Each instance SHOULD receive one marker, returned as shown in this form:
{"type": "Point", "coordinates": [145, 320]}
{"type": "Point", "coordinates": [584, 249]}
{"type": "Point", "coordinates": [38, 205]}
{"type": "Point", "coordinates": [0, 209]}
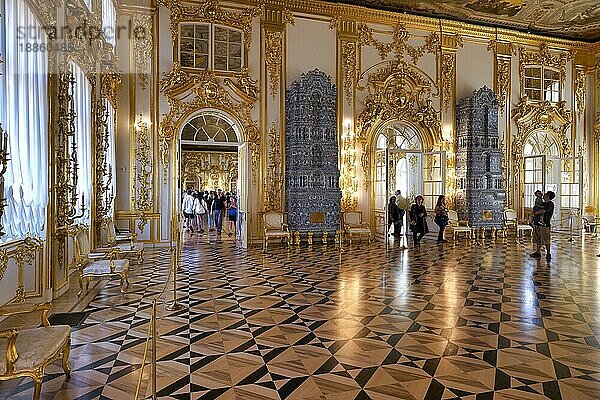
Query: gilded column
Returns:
{"type": "Point", "coordinates": [273, 75]}
{"type": "Point", "coordinates": [583, 67]}
{"type": "Point", "coordinates": [502, 53]}
{"type": "Point", "coordinates": [450, 42]}
{"type": "Point", "coordinates": [348, 52]}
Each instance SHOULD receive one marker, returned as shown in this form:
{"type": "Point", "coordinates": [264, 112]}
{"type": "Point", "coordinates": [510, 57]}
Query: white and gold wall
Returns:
{"type": "Point", "coordinates": [352, 44]}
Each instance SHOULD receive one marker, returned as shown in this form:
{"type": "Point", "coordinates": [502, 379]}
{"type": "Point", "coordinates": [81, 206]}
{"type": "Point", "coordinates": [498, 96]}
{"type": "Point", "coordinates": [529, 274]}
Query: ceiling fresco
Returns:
{"type": "Point", "coordinates": [579, 19]}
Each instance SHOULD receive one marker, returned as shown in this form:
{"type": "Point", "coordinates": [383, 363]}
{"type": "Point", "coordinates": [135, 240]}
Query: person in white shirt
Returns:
{"type": "Point", "coordinates": [188, 210]}
{"type": "Point", "coordinates": [201, 211]}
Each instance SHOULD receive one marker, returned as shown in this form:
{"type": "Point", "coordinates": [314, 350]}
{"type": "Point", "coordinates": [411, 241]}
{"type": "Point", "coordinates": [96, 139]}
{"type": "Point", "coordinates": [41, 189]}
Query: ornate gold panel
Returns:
{"type": "Point", "coordinates": [211, 169]}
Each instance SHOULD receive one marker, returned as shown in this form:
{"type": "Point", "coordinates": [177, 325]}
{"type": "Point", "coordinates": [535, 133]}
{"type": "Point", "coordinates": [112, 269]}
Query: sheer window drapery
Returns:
{"type": "Point", "coordinates": [83, 136]}
{"type": "Point", "coordinates": [24, 115]}
{"type": "Point", "coordinates": [109, 21]}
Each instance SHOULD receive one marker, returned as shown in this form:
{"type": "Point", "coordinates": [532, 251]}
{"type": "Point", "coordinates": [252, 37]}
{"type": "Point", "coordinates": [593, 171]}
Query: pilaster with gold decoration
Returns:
{"type": "Point", "coordinates": [273, 55]}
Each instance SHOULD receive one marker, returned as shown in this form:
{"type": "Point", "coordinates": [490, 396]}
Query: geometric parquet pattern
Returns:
{"type": "Point", "coordinates": [451, 321]}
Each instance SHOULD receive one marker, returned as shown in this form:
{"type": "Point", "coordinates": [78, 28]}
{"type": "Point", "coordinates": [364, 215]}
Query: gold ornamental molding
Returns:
{"type": "Point", "coordinates": [349, 68]}
{"type": "Point", "coordinates": [398, 91]}
{"type": "Point", "coordinates": [503, 53]}
{"type": "Point", "coordinates": [544, 57]}
{"type": "Point", "coordinates": [143, 45]}
{"type": "Point", "coordinates": [141, 197]}
{"type": "Point", "coordinates": [245, 87]}
{"type": "Point", "coordinates": [273, 59]}
{"type": "Point", "coordinates": [110, 82]}
{"type": "Point", "coordinates": [448, 78]}
{"type": "Point", "coordinates": [211, 11]}
{"type": "Point", "coordinates": [597, 127]}
{"type": "Point", "coordinates": [23, 254]}
{"type": "Point", "coordinates": [399, 44]}
{"type": "Point", "coordinates": [579, 83]}
{"type": "Point", "coordinates": [541, 116]}
{"type": "Point", "coordinates": [187, 94]}
{"type": "Point", "coordinates": [273, 187]}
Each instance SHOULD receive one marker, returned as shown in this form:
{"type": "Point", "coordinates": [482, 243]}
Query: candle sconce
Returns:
{"type": "Point", "coordinates": [104, 195]}
{"type": "Point", "coordinates": [67, 165]}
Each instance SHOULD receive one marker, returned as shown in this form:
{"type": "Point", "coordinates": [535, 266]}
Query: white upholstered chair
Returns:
{"type": "Point", "coordinates": [97, 264]}
{"type": "Point", "coordinates": [354, 226]}
{"type": "Point", "coordinates": [511, 221]}
{"type": "Point", "coordinates": [125, 242]}
{"type": "Point", "coordinates": [28, 351]}
{"type": "Point", "coordinates": [275, 227]}
{"type": "Point", "coordinates": [457, 229]}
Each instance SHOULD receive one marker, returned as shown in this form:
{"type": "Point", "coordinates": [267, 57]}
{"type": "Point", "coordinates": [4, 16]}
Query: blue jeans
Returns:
{"type": "Point", "coordinates": [218, 217]}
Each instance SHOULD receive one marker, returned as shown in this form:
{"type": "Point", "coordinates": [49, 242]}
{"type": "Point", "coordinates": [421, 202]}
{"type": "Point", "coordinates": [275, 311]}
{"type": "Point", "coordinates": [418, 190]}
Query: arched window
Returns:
{"type": "Point", "coordinates": [209, 127]}
{"type": "Point", "coordinates": [540, 143]}
{"type": "Point", "coordinates": [406, 138]}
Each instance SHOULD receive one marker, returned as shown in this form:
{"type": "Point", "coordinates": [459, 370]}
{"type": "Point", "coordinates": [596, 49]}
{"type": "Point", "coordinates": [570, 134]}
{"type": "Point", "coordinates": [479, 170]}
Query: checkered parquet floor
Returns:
{"type": "Point", "coordinates": [451, 321]}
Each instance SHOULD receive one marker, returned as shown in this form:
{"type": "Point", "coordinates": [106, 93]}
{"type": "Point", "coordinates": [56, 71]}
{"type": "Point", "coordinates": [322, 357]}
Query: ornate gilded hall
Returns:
{"type": "Point", "coordinates": [326, 199]}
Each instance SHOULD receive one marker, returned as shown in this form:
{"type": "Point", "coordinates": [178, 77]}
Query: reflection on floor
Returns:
{"type": "Point", "coordinates": [454, 322]}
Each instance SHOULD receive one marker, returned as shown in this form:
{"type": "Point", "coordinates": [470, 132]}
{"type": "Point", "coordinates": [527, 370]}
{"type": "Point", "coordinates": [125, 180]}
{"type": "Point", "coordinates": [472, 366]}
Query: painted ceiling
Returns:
{"type": "Point", "coordinates": [579, 19]}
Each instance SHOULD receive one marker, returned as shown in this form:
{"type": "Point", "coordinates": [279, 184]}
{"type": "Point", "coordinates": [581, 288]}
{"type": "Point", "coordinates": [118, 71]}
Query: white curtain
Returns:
{"type": "Point", "coordinates": [83, 136]}
{"type": "Point", "coordinates": [109, 21]}
{"type": "Point", "coordinates": [24, 115]}
{"type": "Point", "coordinates": [111, 156]}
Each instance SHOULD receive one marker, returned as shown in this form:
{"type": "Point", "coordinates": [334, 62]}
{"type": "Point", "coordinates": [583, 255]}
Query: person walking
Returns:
{"type": "Point", "coordinates": [201, 211]}
{"type": "Point", "coordinates": [541, 230]}
{"type": "Point", "coordinates": [441, 217]}
{"type": "Point", "coordinates": [395, 216]}
{"type": "Point", "coordinates": [188, 210]}
{"type": "Point", "coordinates": [232, 216]}
{"type": "Point", "coordinates": [418, 220]}
{"type": "Point", "coordinates": [218, 210]}
{"type": "Point", "coordinates": [208, 199]}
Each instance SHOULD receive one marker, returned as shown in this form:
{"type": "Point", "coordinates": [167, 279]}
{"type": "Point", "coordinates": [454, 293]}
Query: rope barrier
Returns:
{"type": "Point", "coordinates": [152, 329]}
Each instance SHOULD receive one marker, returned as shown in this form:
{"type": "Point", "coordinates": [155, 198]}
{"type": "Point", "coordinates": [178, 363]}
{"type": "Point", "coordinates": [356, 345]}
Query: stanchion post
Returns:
{"type": "Point", "coordinates": [154, 338]}
{"type": "Point", "coordinates": [175, 305]}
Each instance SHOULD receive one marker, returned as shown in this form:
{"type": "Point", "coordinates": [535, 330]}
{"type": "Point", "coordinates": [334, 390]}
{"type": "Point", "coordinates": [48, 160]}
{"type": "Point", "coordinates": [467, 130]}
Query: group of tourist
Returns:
{"type": "Point", "coordinates": [417, 219]}
{"type": "Point", "coordinates": [204, 212]}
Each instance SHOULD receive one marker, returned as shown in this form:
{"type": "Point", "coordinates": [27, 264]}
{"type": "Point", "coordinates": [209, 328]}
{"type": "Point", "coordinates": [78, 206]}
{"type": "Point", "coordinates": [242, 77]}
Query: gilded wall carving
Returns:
{"type": "Point", "coordinates": [187, 94]}
{"type": "Point", "coordinates": [143, 44]}
{"type": "Point", "coordinates": [349, 69]}
{"type": "Point", "coordinates": [24, 253]}
{"type": "Point", "coordinates": [448, 78]}
{"type": "Point", "coordinates": [545, 58]}
{"type": "Point", "coordinates": [141, 193]}
{"type": "Point", "coordinates": [398, 90]}
{"type": "Point", "coordinates": [399, 44]}
{"type": "Point", "coordinates": [211, 11]}
{"type": "Point", "coordinates": [209, 170]}
{"type": "Point", "coordinates": [597, 127]}
{"type": "Point", "coordinates": [273, 59]}
{"type": "Point", "coordinates": [549, 117]}
{"type": "Point", "coordinates": [580, 81]}
{"type": "Point", "coordinates": [273, 184]}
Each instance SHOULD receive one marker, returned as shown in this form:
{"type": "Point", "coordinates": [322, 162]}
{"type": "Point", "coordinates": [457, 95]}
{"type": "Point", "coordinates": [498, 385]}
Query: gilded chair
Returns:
{"type": "Point", "coordinates": [511, 221]}
{"type": "Point", "coordinates": [125, 242]}
{"type": "Point", "coordinates": [457, 227]}
{"type": "Point", "coordinates": [107, 265]}
{"type": "Point", "coordinates": [353, 225]}
{"type": "Point", "coordinates": [27, 352]}
{"type": "Point", "coordinates": [275, 228]}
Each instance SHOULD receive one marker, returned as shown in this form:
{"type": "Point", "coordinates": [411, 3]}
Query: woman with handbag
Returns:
{"type": "Point", "coordinates": [418, 220]}
{"type": "Point", "coordinates": [441, 217]}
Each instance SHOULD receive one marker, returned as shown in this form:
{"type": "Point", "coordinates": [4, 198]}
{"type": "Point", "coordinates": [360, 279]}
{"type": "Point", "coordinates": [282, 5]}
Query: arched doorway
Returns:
{"type": "Point", "coordinates": [545, 169]}
{"type": "Point", "coordinates": [213, 156]}
{"type": "Point", "coordinates": [403, 164]}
